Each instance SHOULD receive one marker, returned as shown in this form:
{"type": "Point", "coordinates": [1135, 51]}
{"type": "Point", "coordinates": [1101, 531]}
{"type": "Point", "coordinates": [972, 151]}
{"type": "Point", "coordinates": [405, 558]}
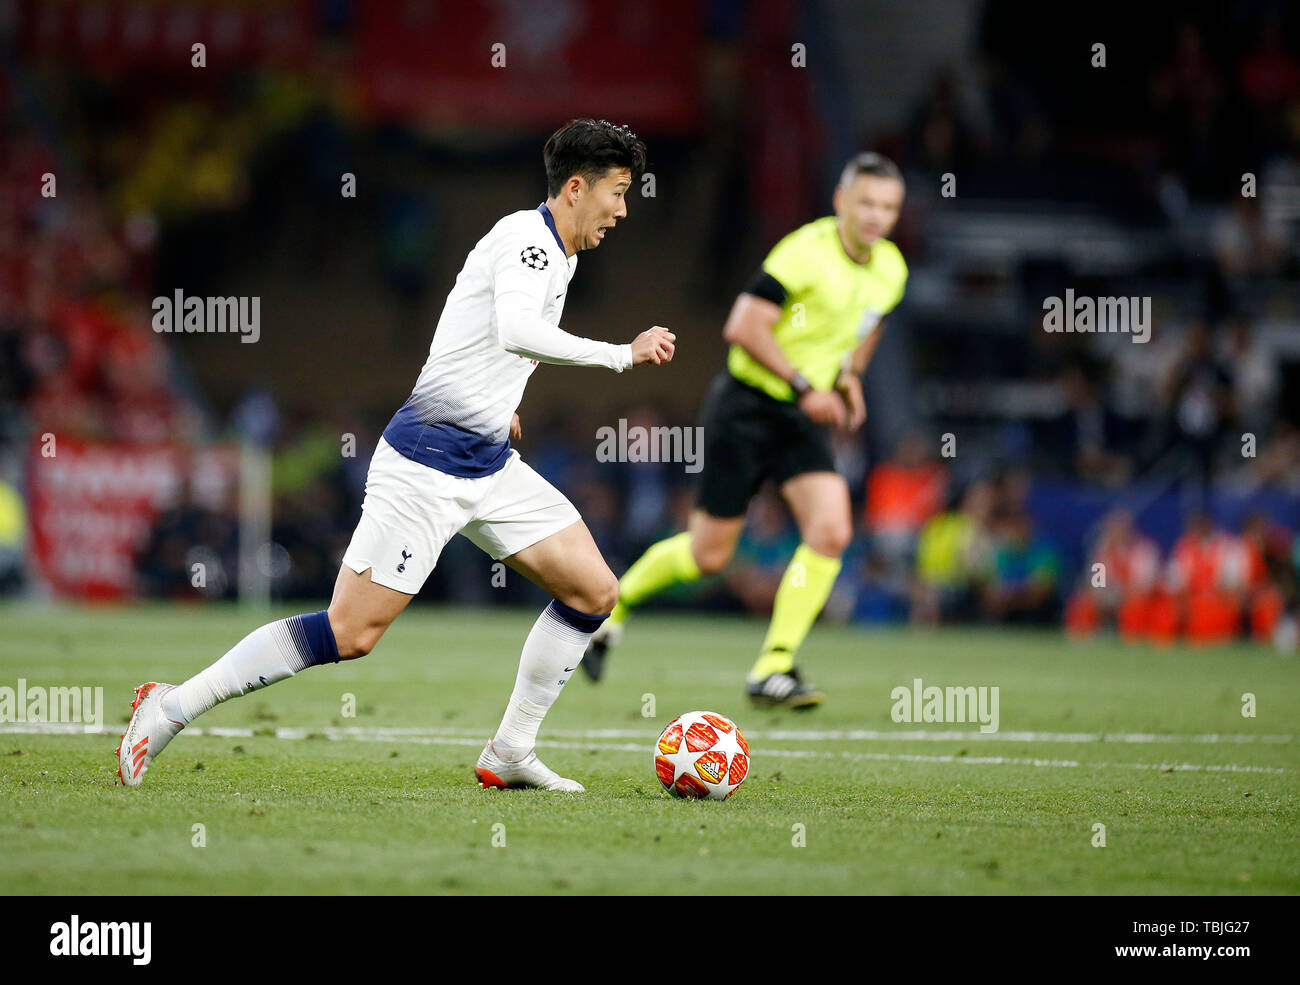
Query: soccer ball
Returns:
{"type": "Point", "coordinates": [701, 755]}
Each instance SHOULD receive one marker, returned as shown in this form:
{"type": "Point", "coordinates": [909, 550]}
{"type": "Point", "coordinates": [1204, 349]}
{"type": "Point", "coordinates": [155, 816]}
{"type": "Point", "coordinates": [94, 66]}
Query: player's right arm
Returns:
{"type": "Point", "coordinates": [750, 326]}
{"type": "Point", "coordinates": [519, 297]}
{"type": "Point", "coordinates": [532, 336]}
{"type": "Point", "coordinates": [654, 345]}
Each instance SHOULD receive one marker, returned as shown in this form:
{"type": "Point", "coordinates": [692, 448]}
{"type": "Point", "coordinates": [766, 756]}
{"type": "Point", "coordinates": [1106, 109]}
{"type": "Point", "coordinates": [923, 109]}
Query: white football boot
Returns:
{"type": "Point", "coordinates": [493, 771]}
{"type": "Point", "coordinates": [146, 735]}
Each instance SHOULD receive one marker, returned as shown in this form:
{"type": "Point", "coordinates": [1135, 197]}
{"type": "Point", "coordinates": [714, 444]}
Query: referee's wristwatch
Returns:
{"type": "Point", "coordinates": [799, 383]}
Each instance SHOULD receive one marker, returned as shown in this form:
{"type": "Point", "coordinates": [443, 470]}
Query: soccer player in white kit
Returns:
{"type": "Point", "coordinates": [445, 466]}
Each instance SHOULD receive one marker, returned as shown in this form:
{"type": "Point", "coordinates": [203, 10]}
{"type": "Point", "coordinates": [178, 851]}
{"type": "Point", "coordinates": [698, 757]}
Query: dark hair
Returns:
{"type": "Point", "coordinates": [869, 162]}
{"type": "Point", "coordinates": [589, 148]}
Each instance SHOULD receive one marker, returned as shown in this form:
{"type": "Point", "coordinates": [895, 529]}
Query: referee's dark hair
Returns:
{"type": "Point", "coordinates": [589, 148]}
{"type": "Point", "coordinates": [869, 162]}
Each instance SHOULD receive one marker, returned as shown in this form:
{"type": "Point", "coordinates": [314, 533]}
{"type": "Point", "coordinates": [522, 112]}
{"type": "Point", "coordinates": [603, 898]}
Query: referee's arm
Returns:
{"type": "Point", "coordinates": [860, 358]}
{"type": "Point", "coordinates": [750, 326]}
{"type": "Point", "coordinates": [849, 383]}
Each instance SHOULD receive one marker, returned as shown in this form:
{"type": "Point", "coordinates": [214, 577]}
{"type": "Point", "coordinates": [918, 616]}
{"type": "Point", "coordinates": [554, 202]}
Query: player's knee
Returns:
{"type": "Point", "coordinates": [607, 597]}
{"type": "Point", "coordinates": [354, 639]}
{"type": "Point", "coordinates": [355, 644]}
{"type": "Point", "coordinates": [358, 645]}
{"type": "Point", "coordinates": [711, 558]}
{"type": "Point", "coordinates": [599, 596]}
{"type": "Point", "coordinates": [829, 539]}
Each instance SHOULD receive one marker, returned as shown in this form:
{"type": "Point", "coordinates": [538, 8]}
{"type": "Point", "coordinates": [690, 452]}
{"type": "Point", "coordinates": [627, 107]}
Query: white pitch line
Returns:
{"type": "Point", "coordinates": [474, 738]}
{"type": "Point", "coordinates": [644, 749]}
{"type": "Point", "coordinates": [929, 735]}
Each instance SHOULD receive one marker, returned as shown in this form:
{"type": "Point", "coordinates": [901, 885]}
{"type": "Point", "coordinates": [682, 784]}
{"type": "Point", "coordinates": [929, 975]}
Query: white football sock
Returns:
{"type": "Point", "coordinates": [268, 654]}
{"type": "Point", "coordinates": [551, 654]}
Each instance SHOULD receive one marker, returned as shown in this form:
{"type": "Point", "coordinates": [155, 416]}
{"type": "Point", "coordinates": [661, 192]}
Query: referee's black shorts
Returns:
{"type": "Point", "coordinates": [750, 436]}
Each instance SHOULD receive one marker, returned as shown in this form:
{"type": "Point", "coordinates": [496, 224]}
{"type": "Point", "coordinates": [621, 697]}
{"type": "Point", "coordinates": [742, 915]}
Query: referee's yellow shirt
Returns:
{"type": "Point", "coordinates": [831, 304]}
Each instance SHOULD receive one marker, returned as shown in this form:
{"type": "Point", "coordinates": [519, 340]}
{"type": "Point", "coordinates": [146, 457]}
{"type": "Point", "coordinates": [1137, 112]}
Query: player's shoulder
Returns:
{"type": "Point", "coordinates": [817, 239]}
{"type": "Point", "coordinates": [810, 237]}
{"type": "Point", "coordinates": [524, 234]}
{"type": "Point", "coordinates": [522, 223]}
{"type": "Point", "coordinates": [799, 253]}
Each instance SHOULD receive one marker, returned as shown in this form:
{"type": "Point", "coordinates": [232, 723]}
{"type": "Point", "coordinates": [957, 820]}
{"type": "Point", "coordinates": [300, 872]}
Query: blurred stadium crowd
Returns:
{"type": "Point", "coordinates": [1072, 451]}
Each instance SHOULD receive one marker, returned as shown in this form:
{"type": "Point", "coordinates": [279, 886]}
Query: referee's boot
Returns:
{"type": "Point", "coordinates": [784, 690]}
{"type": "Point", "coordinates": [603, 640]}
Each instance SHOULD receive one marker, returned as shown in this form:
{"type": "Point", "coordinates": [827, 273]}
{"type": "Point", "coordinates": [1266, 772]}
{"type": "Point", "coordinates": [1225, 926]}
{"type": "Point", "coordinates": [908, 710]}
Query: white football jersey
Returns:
{"type": "Point", "coordinates": [500, 320]}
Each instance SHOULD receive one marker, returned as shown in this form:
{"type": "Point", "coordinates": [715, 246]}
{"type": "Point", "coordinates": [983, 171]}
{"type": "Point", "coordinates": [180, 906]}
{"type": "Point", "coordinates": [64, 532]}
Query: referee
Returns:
{"type": "Point", "coordinates": [801, 335]}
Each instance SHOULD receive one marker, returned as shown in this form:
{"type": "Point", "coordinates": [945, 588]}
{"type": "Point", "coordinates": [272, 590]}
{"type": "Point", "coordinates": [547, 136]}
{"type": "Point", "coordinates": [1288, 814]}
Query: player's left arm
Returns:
{"type": "Point", "coordinates": [849, 383]}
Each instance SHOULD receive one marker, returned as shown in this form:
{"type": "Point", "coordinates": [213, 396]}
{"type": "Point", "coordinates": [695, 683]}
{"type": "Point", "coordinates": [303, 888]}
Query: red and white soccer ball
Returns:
{"type": "Point", "coordinates": [702, 755]}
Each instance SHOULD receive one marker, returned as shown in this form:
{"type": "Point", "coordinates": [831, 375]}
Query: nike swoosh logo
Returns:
{"type": "Point", "coordinates": [558, 296]}
{"type": "Point", "coordinates": [569, 670]}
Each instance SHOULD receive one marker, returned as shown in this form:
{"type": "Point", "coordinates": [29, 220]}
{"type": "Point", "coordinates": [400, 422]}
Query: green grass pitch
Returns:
{"type": "Point", "coordinates": [1195, 798]}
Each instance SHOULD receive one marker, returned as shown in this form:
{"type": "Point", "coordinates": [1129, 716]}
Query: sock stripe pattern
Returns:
{"type": "Point", "coordinates": [306, 640]}
{"type": "Point", "coordinates": [579, 624]}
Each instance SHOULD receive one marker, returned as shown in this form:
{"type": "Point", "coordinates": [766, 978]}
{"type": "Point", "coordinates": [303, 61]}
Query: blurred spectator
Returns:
{"type": "Point", "coordinates": [1139, 372]}
{"type": "Point", "coordinates": [193, 549]}
{"type": "Point", "coordinates": [1247, 240]}
{"type": "Point", "coordinates": [13, 534]}
{"type": "Point", "coordinates": [902, 493]}
{"type": "Point", "coordinates": [1118, 593]}
{"type": "Point", "coordinates": [1269, 578]}
{"type": "Point", "coordinates": [1206, 579]}
{"type": "Point", "coordinates": [1270, 75]}
{"type": "Point", "coordinates": [952, 558]}
{"type": "Point", "coordinates": [1088, 436]}
{"type": "Point", "coordinates": [1198, 401]}
{"type": "Point", "coordinates": [1276, 464]}
{"type": "Point", "coordinates": [1256, 377]}
{"type": "Point", "coordinates": [1023, 576]}
{"type": "Point", "coordinates": [1279, 187]}
{"type": "Point", "coordinates": [1187, 92]}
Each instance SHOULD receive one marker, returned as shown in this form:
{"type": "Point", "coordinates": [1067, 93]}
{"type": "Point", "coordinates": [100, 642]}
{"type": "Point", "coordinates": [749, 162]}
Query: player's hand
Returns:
{"type": "Point", "coordinates": [516, 429]}
{"type": "Point", "coordinates": [850, 388]}
{"type": "Point", "coordinates": [656, 345]}
{"type": "Point", "coordinates": [824, 408]}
